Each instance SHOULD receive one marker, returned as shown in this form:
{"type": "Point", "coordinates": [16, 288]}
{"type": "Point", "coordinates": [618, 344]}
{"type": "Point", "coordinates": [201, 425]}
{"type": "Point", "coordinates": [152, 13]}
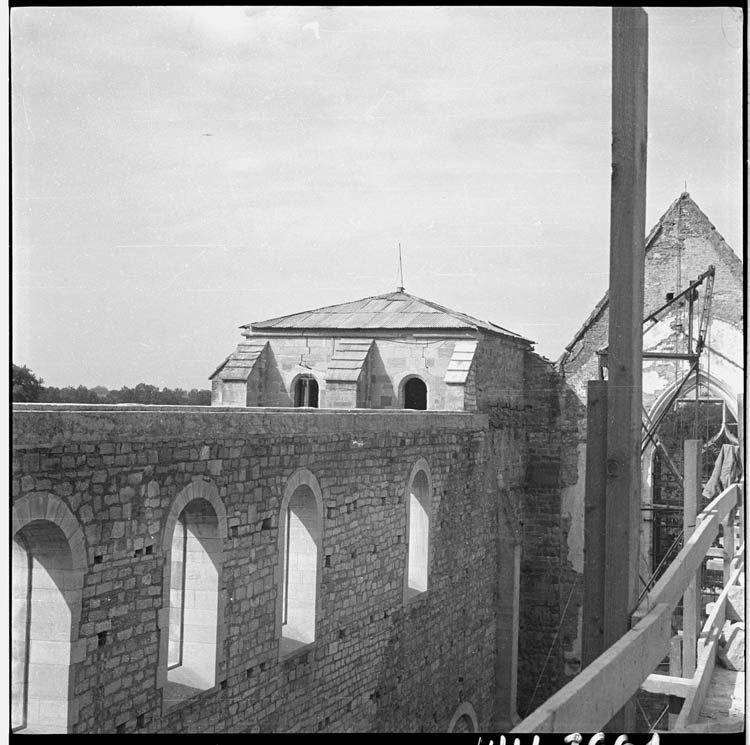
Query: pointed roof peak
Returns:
{"type": "Point", "coordinates": [685, 200]}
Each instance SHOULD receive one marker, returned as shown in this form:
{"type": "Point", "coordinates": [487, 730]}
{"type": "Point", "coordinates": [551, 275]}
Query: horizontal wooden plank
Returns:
{"type": "Point", "coordinates": [670, 588]}
{"type": "Point", "coordinates": [669, 685]}
{"type": "Point", "coordinates": [601, 689]}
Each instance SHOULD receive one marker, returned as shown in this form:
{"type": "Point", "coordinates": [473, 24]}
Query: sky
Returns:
{"type": "Point", "coordinates": [180, 172]}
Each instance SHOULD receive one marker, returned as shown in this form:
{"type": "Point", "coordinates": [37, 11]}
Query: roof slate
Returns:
{"type": "Point", "coordinates": [394, 310]}
{"type": "Point", "coordinates": [240, 363]}
{"type": "Point", "coordinates": [460, 362]}
{"type": "Point", "coordinates": [348, 359]}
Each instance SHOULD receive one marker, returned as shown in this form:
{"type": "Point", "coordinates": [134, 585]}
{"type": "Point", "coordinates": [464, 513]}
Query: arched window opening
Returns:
{"type": "Point", "coordinates": [195, 567]}
{"type": "Point", "coordinates": [44, 588]}
{"type": "Point", "coordinates": [306, 392]}
{"type": "Point", "coordinates": [301, 526]}
{"type": "Point", "coordinates": [463, 724]}
{"type": "Point", "coordinates": [706, 418]}
{"type": "Point", "coordinates": [415, 394]}
{"type": "Point", "coordinates": [464, 719]}
{"type": "Point", "coordinates": [419, 535]}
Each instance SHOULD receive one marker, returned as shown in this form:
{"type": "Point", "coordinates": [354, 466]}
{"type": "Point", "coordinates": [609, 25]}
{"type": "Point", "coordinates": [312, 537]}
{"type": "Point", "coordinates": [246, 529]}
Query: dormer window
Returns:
{"type": "Point", "coordinates": [306, 392]}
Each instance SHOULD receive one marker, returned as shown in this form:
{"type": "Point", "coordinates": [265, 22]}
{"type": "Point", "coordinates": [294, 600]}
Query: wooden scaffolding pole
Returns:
{"type": "Point", "coordinates": [626, 278]}
{"type": "Point", "coordinates": [691, 599]}
{"type": "Point", "coordinates": [741, 438]}
{"type": "Point", "coordinates": [594, 521]}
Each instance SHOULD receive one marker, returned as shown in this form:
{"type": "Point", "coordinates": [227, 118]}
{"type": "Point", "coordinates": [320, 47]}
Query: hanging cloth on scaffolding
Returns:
{"type": "Point", "coordinates": [723, 433]}
{"type": "Point", "coordinates": [727, 471]}
{"type": "Point", "coordinates": [723, 437]}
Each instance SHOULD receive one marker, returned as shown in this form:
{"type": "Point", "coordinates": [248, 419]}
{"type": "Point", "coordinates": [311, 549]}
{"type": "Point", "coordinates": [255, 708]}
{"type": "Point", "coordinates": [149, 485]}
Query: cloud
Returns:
{"type": "Point", "coordinates": [243, 165]}
{"type": "Point", "coordinates": [273, 24]}
{"type": "Point", "coordinates": [314, 26]}
{"type": "Point", "coordinates": [376, 109]}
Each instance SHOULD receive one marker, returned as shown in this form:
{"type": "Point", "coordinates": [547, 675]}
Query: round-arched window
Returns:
{"type": "Point", "coordinates": [464, 719]}
{"type": "Point", "coordinates": [306, 392]}
{"type": "Point", "coordinates": [415, 394]}
{"type": "Point", "coordinates": [464, 724]}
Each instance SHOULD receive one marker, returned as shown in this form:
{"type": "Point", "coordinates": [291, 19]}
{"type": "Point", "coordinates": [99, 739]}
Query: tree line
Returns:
{"type": "Point", "coordinates": [28, 387]}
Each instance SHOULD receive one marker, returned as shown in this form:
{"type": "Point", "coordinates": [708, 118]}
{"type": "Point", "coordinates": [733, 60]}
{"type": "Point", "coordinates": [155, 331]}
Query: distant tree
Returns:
{"type": "Point", "coordinates": [126, 395]}
{"type": "Point", "coordinates": [101, 393]}
{"type": "Point", "coordinates": [68, 395]}
{"type": "Point", "coordinates": [199, 398]}
{"type": "Point", "coordinates": [146, 394]}
{"type": "Point", "coordinates": [25, 385]}
{"type": "Point", "coordinates": [143, 393]}
{"type": "Point", "coordinates": [50, 395]}
{"type": "Point", "coordinates": [112, 397]}
{"type": "Point", "coordinates": [169, 397]}
{"type": "Point", "coordinates": [84, 395]}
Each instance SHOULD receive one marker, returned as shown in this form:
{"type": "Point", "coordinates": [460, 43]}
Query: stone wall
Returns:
{"type": "Point", "coordinates": [551, 591]}
{"type": "Point", "coordinates": [498, 379]}
{"type": "Point", "coordinates": [377, 663]}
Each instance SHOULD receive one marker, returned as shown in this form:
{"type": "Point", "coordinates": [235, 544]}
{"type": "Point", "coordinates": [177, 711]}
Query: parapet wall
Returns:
{"type": "Point", "coordinates": [377, 663]}
{"type": "Point", "coordinates": [55, 424]}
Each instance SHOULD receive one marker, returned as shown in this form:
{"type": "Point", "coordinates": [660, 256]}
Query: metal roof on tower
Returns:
{"type": "Point", "coordinates": [394, 310]}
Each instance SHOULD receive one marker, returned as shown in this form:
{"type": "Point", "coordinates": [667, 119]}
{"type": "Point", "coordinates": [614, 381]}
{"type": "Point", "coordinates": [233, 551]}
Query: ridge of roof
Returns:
{"type": "Point", "coordinates": [269, 321]}
{"type": "Point", "coordinates": [463, 316]}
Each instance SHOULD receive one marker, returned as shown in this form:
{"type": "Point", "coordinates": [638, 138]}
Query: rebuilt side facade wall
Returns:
{"type": "Point", "coordinates": [377, 663]}
{"type": "Point", "coordinates": [390, 362]}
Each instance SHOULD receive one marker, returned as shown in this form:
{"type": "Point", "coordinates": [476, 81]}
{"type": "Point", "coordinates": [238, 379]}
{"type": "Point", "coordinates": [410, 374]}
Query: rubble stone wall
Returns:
{"type": "Point", "coordinates": [377, 663]}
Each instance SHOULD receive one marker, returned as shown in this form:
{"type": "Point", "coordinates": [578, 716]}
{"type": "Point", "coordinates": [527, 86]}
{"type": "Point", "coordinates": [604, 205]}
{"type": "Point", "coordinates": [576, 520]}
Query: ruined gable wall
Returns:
{"type": "Point", "coordinates": [685, 246]}
{"type": "Point", "coordinates": [682, 249]}
{"type": "Point", "coordinates": [376, 664]}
